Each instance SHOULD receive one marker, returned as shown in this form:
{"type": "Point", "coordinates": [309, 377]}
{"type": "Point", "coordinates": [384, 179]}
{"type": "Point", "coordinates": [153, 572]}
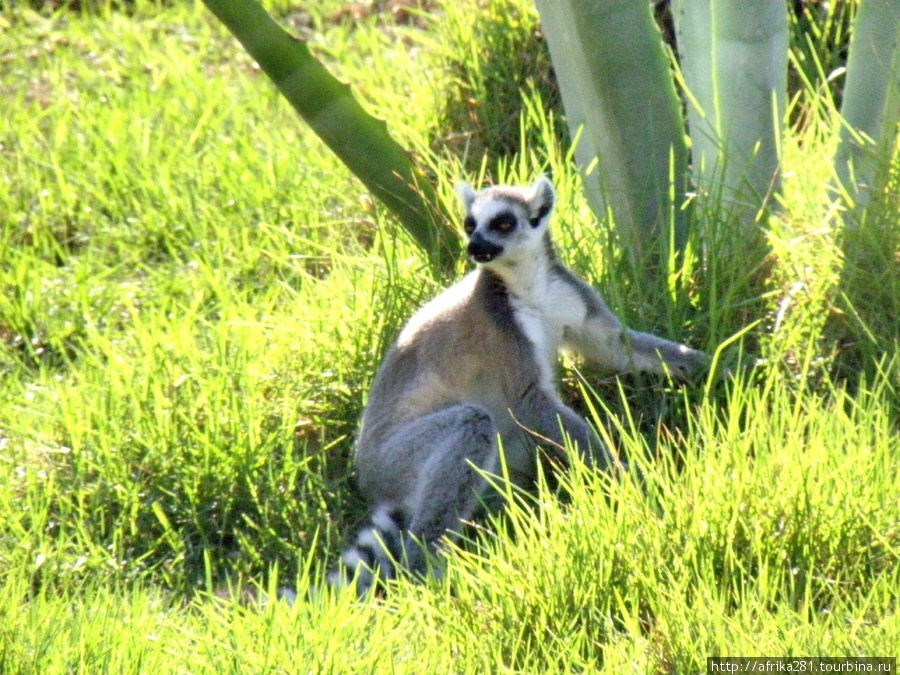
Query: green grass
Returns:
{"type": "Point", "coordinates": [194, 296]}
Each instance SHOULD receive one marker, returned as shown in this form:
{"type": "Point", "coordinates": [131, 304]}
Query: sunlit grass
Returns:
{"type": "Point", "coordinates": [194, 296]}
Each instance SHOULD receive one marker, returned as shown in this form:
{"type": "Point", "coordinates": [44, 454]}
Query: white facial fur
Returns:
{"type": "Point", "coordinates": [490, 212]}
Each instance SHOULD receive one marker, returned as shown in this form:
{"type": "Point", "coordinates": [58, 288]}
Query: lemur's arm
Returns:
{"type": "Point", "coordinates": [602, 339]}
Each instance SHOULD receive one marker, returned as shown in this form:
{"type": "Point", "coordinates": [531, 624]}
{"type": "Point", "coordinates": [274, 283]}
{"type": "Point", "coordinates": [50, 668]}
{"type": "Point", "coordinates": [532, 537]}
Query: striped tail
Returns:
{"type": "Point", "coordinates": [376, 554]}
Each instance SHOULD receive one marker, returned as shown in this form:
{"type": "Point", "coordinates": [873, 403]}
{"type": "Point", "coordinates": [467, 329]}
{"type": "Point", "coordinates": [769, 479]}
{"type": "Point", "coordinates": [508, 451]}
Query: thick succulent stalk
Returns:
{"type": "Point", "coordinates": [870, 109]}
{"type": "Point", "coordinates": [733, 57]}
{"type": "Point", "coordinates": [361, 141]}
{"type": "Point", "coordinates": [621, 105]}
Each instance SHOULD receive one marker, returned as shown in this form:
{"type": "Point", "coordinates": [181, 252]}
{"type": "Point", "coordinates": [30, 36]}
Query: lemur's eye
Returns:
{"type": "Point", "coordinates": [469, 224]}
{"type": "Point", "coordinates": [503, 222]}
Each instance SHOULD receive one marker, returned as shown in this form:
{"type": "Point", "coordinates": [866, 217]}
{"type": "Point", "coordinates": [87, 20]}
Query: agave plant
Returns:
{"type": "Point", "coordinates": [734, 63]}
{"type": "Point", "coordinates": [361, 141]}
{"type": "Point", "coordinates": [618, 89]}
{"type": "Point", "coordinates": [870, 110]}
{"type": "Point", "coordinates": [622, 109]}
{"type": "Point", "coordinates": [732, 56]}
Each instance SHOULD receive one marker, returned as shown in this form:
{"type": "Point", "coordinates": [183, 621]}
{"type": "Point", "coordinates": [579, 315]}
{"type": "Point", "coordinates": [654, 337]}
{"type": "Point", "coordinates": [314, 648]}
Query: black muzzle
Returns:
{"type": "Point", "coordinates": [481, 250]}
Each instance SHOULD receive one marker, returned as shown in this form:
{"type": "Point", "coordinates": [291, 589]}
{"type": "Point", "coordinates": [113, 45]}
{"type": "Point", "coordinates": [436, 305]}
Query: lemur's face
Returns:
{"type": "Point", "coordinates": [505, 225]}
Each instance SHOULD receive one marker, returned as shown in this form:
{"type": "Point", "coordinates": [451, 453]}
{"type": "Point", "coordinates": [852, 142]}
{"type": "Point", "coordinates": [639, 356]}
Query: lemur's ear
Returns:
{"type": "Point", "coordinates": [466, 195]}
{"type": "Point", "coordinates": [542, 200]}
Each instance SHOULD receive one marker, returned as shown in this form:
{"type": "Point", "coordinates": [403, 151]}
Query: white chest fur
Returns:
{"type": "Point", "coordinates": [544, 309]}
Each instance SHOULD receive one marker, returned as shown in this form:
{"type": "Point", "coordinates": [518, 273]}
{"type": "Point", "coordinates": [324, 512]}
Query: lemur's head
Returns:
{"type": "Point", "coordinates": [507, 224]}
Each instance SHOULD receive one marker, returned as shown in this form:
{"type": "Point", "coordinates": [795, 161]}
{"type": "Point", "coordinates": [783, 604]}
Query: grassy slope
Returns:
{"type": "Point", "coordinates": [193, 297]}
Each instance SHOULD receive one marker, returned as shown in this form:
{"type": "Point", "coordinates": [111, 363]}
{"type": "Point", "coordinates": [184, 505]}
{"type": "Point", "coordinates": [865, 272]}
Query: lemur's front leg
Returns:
{"type": "Point", "coordinates": [605, 341]}
{"type": "Point", "coordinates": [653, 354]}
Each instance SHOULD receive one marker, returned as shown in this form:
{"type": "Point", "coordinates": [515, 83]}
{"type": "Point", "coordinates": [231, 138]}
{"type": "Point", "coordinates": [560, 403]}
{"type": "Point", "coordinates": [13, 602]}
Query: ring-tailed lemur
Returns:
{"type": "Point", "coordinates": [477, 363]}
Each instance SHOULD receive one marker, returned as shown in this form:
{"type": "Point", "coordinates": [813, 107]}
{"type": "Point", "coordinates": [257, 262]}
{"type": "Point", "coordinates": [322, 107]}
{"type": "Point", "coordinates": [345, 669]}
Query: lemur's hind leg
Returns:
{"type": "Point", "coordinates": [546, 417]}
{"type": "Point", "coordinates": [451, 481]}
{"type": "Point", "coordinates": [450, 446]}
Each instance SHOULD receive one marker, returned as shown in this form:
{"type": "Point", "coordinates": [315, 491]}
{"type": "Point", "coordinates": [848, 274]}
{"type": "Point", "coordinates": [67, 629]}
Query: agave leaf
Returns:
{"type": "Point", "coordinates": [733, 57]}
{"type": "Point", "coordinates": [621, 105]}
{"type": "Point", "coordinates": [692, 19]}
{"type": "Point", "coordinates": [871, 103]}
{"type": "Point", "coordinates": [361, 141]}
